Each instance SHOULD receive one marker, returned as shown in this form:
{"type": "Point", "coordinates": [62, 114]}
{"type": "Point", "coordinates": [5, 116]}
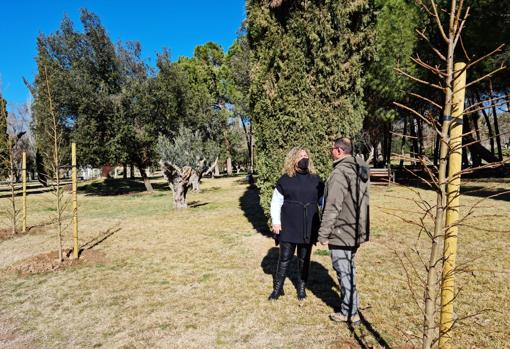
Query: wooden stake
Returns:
{"type": "Point", "coordinates": [24, 179]}
{"type": "Point", "coordinates": [452, 209]}
{"type": "Point", "coordinates": [75, 201]}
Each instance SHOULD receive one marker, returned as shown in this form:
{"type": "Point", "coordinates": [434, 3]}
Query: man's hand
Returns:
{"type": "Point", "coordinates": [324, 243]}
{"type": "Point", "coordinates": [277, 228]}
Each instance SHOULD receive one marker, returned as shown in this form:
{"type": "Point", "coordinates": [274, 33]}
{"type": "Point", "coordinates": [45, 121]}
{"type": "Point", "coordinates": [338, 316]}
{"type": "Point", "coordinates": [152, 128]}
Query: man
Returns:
{"type": "Point", "coordinates": [345, 222]}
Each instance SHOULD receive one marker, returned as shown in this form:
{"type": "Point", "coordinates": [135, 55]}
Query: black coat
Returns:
{"type": "Point", "coordinates": [300, 214]}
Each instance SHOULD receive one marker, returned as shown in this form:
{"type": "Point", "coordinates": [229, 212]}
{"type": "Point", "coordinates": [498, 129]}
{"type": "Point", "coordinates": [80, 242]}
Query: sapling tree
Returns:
{"type": "Point", "coordinates": [434, 219]}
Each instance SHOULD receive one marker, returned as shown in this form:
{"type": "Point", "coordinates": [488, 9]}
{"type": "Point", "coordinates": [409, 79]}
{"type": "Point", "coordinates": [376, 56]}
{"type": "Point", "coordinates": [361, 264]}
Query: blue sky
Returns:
{"type": "Point", "coordinates": [176, 25]}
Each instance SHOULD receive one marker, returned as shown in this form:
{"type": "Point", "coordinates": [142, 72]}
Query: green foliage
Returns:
{"type": "Point", "coordinates": [83, 73]}
{"type": "Point", "coordinates": [307, 62]}
{"type": "Point", "coordinates": [487, 27]}
{"type": "Point", "coordinates": [187, 148]}
{"type": "Point", "coordinates": [394, 45]}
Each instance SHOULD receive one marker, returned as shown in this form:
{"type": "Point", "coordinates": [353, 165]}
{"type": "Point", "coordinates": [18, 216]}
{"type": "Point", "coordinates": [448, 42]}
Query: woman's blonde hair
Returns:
{"type": "Point", "coordinates": [291, 160]}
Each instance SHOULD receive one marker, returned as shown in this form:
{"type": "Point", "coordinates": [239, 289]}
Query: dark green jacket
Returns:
{"type": "Point", "coordinates": [345, 216]}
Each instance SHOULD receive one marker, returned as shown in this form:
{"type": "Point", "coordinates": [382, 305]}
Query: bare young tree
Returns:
{"type": "Point", "coordinates": [17, 141]}
{"type": "Point", "coordinates": [54, 155]}
{"type": "Point", "coordinates": [439, 266]}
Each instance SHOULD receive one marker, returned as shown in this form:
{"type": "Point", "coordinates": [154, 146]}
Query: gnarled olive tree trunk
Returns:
{"type": "Point", "coordinates": [180, 180]}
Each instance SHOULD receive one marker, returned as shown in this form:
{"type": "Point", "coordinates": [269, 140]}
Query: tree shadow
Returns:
{"type": "Point", "coordinates": [325, 288]}
{"type": "Point", "coordinates": [485, 192]}
{"type": "Point", "coordinates": [250, 204]}
{"type": "Point", "coordinates": [102, 236]}
{"type": "Point", "coordinates": [112, 187]}
{"type": "Point", "coordinates": [5, 191]}
{"type": "Point", "coordinates": [319, 282]}
{"type": "Point", "coordinates": [195, 204]}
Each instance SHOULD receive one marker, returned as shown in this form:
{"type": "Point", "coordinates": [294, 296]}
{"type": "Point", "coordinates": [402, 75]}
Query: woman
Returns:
{"type": "Point", "coordinates": [295, 217]}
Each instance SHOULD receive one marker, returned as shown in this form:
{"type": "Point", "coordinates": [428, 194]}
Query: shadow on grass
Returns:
{"type": "Point", "coordinates": [112, 187]}
{"type": "Point", "coordinates": [195, 204]}
{"type": "Point", "coordinates": [7, 194]}
{"type": "Point", "coordinates": [324, 287]}
{"type": "Point", "coordinates": [319, 281]}
{"type": "Point", "coordinates": [250, 204]}
{"type": "Point", "coordinates": [102, 236]}
{"type": "Point", "coordinates": [363, 330]}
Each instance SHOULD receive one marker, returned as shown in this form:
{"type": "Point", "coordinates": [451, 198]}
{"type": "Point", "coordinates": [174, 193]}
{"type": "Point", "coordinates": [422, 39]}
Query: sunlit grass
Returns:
{"type": "Point", "coordinates": [199, 278]}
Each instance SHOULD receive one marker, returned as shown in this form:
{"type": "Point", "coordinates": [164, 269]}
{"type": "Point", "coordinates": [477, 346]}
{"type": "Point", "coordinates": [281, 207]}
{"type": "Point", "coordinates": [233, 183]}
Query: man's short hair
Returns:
{"type": "Point", "coordinates": [344, 144]}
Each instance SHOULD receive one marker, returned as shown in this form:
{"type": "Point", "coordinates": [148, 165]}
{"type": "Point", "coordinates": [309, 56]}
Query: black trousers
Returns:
{"type": "Point", "coordinates": [287, 250]}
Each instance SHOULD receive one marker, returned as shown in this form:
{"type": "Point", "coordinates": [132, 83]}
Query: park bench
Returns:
{"type": "Point", "coordinates": [385, 174]}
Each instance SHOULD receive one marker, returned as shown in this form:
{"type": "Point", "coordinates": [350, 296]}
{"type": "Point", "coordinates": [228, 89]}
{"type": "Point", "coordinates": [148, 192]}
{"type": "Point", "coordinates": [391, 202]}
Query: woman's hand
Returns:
{"type": "Point", "coordinates": [277, 228]}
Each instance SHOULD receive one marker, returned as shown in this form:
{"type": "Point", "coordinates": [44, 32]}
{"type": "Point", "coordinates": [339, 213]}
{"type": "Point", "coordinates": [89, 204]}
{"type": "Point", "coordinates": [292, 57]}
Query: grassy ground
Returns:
{"type": "Point", "coordinates": [200, 277]}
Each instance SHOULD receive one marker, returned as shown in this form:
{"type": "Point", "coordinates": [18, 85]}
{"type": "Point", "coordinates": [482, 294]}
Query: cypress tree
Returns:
{"type": "Point", "coordinates": [307, 61]}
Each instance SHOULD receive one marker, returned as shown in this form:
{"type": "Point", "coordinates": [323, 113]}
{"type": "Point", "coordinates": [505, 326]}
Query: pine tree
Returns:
{"type": "Point", "coordinates": [307, 78]}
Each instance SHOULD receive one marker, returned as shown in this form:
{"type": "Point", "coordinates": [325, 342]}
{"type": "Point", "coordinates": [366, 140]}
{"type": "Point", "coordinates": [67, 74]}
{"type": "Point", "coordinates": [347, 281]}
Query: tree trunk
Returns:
{"type": "Point", "coordinates": [216, 170]}
{"type": "Point", "coordinates": [404, 141]}
{"type": "Point", "coordinates": [132, 171]}
{"type": "Point", "coordinates": [146, 180]}
{"type": "Point", "coordinates": [388, 150]}
{"type": "Point", "coordinates": [419, 125]}
{"type": "Point", "coordinates": [466, 127]}
{"type": "Point", "coordinates": [42, 175]}
{"type": "Point", "coordinates": [12, 185]}
{"type": "Point", "coordinates": [414, 141]}
{"type": "Point", "coordinates": [195, 182]}
{"type": "Point", "coordinates": [229, 166]}
{"type": "Point", "coordinates": [248, 136]}
{"type": "Point", "coordinates": [180, 190]}
{"type": "Point", "coordinates": [488, 122]}
{"type": "Point", "coordinates": [178, 181]}
{"type": "Point", "coordinates": [437, 143]}
{"type": "Point", "coordinates": [496, 124]}
{"type": "Point", "coordinates": [124, 173]}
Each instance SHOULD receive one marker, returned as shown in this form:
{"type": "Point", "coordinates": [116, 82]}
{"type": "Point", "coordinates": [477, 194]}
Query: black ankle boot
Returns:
{"type": "Point", "coordinates": [279, 279]}
{"type": "Point", "coordinates": [275, 295]}
{"type": "Point", "coordinates": [301, 290]}
{"type": "Point", "coordinates": [303, 265]}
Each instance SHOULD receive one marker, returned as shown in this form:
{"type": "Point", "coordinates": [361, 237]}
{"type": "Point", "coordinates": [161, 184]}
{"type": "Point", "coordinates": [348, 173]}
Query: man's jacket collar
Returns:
{"type": "Point", "coordinates": [336, 162]}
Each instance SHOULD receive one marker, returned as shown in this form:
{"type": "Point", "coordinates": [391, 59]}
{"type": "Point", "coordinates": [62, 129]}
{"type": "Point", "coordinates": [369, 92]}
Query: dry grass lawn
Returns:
{"type": "Point", "coordinates": [199, 278]}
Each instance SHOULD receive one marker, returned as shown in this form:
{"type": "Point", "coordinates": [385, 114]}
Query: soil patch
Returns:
{"type": "Point", "coordinates": [47, 262]}
{"type": "Point", "coordinates": [6, 234]}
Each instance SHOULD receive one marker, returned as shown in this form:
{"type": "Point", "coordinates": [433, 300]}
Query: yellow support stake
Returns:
{"type": "Point", "coordinates": [75, 201]}
{"type": "Point", "coordinates": [452, 209]}
{"type": "Point", "coordinates": [24, 179]}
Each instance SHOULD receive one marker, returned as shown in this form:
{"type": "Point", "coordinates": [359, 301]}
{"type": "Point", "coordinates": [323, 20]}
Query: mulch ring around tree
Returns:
{"type": "Point", "coordinates": [48, 262]}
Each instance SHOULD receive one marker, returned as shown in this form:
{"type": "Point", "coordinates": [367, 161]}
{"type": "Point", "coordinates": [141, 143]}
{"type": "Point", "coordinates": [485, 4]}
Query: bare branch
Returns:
{"type": "Point", "coordinates": [438, 22]}
{"type": "Point", "coordinates": [434, 70]}
{"type": "Point", "coordinates": [436, 51]}
{"type": "Point", "coordinates": [498, 49]}
{"type": "Point", "coordinates": [426, 99]}
{"type": "Point", "coordinates": [430, 121]}
{"type": "Point", "coordinates": [419, 80]}
{"type": "Point", "coordinates": [502, 67]}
